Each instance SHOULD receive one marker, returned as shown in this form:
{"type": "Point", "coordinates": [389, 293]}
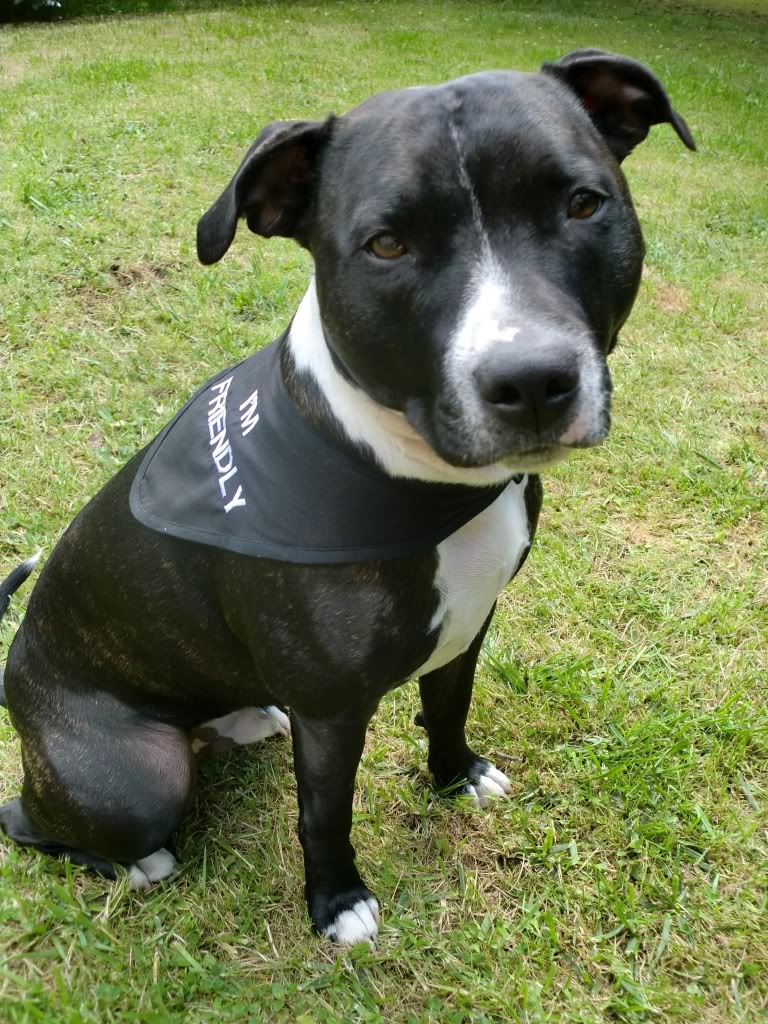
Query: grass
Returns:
{"type": "Point", "coordinates": [623, 685]}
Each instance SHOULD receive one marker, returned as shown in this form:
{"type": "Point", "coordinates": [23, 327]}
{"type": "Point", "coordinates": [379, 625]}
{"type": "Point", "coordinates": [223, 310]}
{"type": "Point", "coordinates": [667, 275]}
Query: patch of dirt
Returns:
{"type": "Point", "coordinates": [95, 440]}
{"type": "Point", "coordinates": [672, 298]}
{"type": "Point", "coordinates": [92, 301]}
{"type": "Point", "coordinates": [330, 30]}
{"type": "Point", "coordinates": [142, 273]}
{"type": "Point", "coordinates": [13, 70]}
{"type": "Point", "coordinates": [637, 533]}
{"type": "Point", "coordinates": [17, 69]}
{"type": "Point", "coordinates": [708, 9]}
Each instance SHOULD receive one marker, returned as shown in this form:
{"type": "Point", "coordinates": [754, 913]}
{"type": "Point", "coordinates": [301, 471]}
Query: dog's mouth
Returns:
{"type": "Point", "coordinates": [485, 450]}
{"type": "Point", "coordinates": [542, 451]}
{"type": "Point", "coordinates": [532, 460]}
{"type": "Point", "coordinates": [476, 448]}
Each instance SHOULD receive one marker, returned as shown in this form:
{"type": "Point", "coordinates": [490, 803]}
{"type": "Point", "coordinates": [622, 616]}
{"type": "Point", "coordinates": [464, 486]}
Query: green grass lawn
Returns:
{"type": "Point", "coordinates": [623, 685]}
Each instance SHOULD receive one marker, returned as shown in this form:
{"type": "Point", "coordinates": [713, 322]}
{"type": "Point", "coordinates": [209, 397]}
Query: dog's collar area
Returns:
{"type": "Point", "coordinates": [341, 367]}
{"type": "Point", "coordinates": [241, 469]}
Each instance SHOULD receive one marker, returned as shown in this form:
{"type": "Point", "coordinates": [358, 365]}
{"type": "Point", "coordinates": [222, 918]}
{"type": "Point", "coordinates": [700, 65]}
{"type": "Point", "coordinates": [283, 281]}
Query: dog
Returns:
{"type": "Point", "coordinates": [338, 514]}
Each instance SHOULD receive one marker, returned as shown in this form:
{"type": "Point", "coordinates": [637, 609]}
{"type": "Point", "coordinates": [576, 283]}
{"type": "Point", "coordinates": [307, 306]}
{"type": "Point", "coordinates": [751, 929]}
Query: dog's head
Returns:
{"type": "Point", "coordinates": [475, 244]}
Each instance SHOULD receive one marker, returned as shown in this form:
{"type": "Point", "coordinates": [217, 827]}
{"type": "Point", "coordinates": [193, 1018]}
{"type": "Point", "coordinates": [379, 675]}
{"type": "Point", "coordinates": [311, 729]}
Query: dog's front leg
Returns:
{"type": "Point", "coordinates": [327, 753]}
{"type": "Point", "coordinates": [446, 695]}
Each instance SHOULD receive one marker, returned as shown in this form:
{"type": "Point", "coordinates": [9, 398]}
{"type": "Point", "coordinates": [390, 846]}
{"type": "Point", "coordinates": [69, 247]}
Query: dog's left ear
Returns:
{"type": "Point", "coordinates": [271, 188]}
{"type": "Point", "coordinates": [621, 96]}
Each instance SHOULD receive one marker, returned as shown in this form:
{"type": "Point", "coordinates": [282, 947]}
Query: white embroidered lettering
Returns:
{"type": "Point", "coordinates": [237, 500]}
{"type": "Point", "coordinates": [250, 417]}
{"type": "Point", "coordinates": [223, 480]}
{"type": "Point", "coordinates": [216, 424]}
{"type": "Point", "coordinates": [217, 405]}
{"type": "Point", "coordinates": [222, 386]}
{"type": "Point", "coordinates": [219, 444]}
{"type": "Point", "coordinates": [225, 460]}
{"type": "Point", "coordinates": [222, 454]}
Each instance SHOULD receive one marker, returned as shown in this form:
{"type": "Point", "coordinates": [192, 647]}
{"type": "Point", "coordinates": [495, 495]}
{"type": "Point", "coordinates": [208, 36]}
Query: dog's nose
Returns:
{"type": "Point", "coordinates": [531, 387]}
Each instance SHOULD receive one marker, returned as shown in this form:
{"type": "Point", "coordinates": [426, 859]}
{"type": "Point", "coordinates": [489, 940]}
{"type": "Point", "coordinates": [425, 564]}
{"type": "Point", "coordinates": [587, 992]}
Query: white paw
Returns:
{"type": "Point", "coordinates": [137, 879]}
{"type": "Point", "coordinates": [281, 721]}
{"type": "Point", "coordinates": [239, 728]}
{"type": "Point", "coordinates": [360, 924]}
{"type": "Point", "coordinates": [158, 865]}
{"type": "Point", "coordinates": [492, 783]}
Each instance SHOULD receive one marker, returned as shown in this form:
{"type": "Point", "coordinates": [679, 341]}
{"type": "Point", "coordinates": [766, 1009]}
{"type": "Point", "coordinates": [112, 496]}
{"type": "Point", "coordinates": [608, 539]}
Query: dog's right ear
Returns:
{"type": "Point", "coordinates": [271, 189]}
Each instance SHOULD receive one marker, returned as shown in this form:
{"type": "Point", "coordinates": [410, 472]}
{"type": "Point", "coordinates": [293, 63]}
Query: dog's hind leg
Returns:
{"type": "Point", "coordinates": [141, 875]}
{"type": "Point", "coordinates": [16, 824]}
{"type": "Point", "coordinates": [246, 725]}
{"type": "Point", "coordinates": [103, 786]}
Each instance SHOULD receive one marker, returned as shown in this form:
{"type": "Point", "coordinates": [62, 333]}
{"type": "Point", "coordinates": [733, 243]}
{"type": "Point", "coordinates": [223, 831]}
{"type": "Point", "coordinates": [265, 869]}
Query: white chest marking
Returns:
{"type": "Point", "coordinates": [475, 565]}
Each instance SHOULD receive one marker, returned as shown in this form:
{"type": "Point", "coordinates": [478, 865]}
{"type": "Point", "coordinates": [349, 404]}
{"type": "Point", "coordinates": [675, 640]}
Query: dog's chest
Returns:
{"type": "Point", "coordinates": [475, 565]}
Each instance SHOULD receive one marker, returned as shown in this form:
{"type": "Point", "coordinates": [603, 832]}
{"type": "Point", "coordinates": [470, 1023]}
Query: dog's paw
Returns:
{"type": "Point", "coordinates": [145, 872]}
{"type": "Point", "coordinates": [348, 918]}
{"type": "Point", "coordinates": [480, 780]}
{"type": "Point", "coordinates": [360, 924]}
{"type": "Point", "coordinates": [486, 782]}
{"type": "Point", "coordinates": [281, 721]}
{"type": "Point", "coordinates": [239, 728]}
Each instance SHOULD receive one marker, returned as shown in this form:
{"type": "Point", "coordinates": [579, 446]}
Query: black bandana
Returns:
{"type": "Point", "coordinates": [240, 468]}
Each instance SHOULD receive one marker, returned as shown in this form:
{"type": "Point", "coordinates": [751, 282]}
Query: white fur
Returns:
{"type": "Point", "coordinates": [32, 561]}
{"type": "Point", "coordinates": [246, 725]}
{"type": "Point", "coordinates": [360, 924]}
{"type": "Point", "coordinates": [157, 866]}
{"type": "Point", "coordinates": [487, 318]}
{"type": "Point", "coordinates": [492, 783]}
{"type": "Point", "coordinates": [466, 182]}
{"type": "Point", "coordinates": [281, 720]}
{"type": "Point", "coordinates": [474, 565]}
{"type": "Point", "coordinates": [494, 312]}
{"type": "Point", "coordinates": [593, 401]}
{"type": "Point", "coordinates": [137, 880]}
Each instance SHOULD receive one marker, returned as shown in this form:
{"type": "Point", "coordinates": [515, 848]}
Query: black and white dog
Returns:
{"type": "Point", "coordinates": [338, 513]}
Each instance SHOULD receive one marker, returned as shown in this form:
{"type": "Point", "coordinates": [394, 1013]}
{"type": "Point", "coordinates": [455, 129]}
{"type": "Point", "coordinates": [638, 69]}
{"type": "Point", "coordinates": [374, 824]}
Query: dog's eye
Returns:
{"type": "Point", "coordinates": [584, 204]}
{"type": "Point", "coordinates": [386, 247]}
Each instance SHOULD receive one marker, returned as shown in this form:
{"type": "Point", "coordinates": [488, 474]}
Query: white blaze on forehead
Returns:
{"type": "Point", "coordinates": [488, 303]}
{"type": "Point", "coordinates": [487, 317]}
{"type": "Point", "coordinates": [466, 182]}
